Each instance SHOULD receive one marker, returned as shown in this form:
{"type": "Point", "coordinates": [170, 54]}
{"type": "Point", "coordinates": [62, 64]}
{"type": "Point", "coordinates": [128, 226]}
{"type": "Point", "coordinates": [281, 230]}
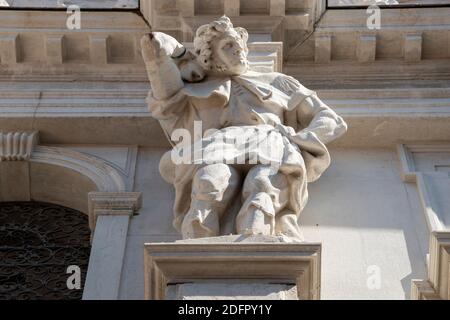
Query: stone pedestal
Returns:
{"type": "Point", "coordinates": [232, 267]}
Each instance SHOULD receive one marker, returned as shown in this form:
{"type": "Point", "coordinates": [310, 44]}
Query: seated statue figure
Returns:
{"type": "Point", "coordinates": [262, 136]}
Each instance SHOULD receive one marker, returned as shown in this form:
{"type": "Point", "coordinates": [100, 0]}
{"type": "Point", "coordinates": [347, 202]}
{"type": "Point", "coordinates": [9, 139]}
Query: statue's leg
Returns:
{"type": "Point", "coordinates": [265, 194]}
{"type": "Point", "coordinates": [286, 224]}
{"type": "Point", "coordinates": [213, 188]}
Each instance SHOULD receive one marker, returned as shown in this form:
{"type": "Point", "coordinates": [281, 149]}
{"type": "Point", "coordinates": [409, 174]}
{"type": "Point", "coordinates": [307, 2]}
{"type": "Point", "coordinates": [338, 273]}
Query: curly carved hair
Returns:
{"type": "Point", "coordinates": [207, 33]}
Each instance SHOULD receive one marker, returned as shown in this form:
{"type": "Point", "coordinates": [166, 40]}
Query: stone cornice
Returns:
{"type": "Point", "coordinates": [105, 85]}
{"type": "Point", "coordinates": [410, 35]}
{"type": "Point", "coordinates": [376, 117]}
{"type": "Point", "coordinates": [404, 47]}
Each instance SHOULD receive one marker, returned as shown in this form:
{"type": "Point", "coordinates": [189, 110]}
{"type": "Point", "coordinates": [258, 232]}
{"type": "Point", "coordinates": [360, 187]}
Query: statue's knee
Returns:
{"type": "Point", "coordinates": [215, 182]}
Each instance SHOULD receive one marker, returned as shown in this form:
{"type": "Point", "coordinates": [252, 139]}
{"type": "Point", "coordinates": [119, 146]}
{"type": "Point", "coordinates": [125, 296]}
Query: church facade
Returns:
{"type": "Point", "coordinates": [85, 212]}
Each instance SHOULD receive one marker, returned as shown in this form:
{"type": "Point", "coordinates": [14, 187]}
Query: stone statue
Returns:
{"type": "Point", "coordinates": [262, 135]}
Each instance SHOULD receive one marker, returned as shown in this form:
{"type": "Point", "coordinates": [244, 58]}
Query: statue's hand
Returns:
{"type": "Point", "coordinates": [157, 45]}
{"type": "Point", "coordinates": [150, 48]}
{"type": "Point", "coordinates": [162, 71]}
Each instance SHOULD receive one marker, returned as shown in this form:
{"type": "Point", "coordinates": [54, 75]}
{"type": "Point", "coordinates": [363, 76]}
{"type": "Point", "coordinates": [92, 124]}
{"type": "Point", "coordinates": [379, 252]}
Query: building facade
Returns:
{"type": "Point", "coordinates": [75, 133]}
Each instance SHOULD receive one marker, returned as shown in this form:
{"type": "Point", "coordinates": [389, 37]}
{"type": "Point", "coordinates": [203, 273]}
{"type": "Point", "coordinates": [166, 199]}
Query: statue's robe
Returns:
{"type": "Point", "coordinates": [254, 105]}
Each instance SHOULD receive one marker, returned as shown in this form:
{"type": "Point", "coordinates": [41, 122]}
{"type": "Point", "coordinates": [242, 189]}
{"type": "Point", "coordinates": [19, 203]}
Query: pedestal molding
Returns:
{"type": "Point", "coordinates": [293, 263]}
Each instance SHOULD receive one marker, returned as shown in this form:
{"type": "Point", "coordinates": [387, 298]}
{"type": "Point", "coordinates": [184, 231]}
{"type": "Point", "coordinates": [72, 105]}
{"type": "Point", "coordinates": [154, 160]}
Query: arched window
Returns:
{"type": "Point", "coordinates": [38, 242]}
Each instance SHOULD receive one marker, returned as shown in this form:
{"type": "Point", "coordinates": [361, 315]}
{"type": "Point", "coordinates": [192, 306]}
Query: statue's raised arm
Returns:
{"type": "Point", "coordinates": [163, 73]}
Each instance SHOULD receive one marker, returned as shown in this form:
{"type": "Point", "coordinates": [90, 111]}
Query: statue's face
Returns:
{"type": "Point", "coordinates": [229, 50]}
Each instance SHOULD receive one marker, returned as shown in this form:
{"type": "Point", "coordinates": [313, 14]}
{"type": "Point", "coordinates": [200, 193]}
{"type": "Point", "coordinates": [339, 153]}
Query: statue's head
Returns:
{"type": "Point", "coordinates": [221, 48]}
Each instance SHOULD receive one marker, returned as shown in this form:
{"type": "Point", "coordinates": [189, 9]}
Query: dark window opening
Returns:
{"type": "Point", "coordinates": [38, 242]}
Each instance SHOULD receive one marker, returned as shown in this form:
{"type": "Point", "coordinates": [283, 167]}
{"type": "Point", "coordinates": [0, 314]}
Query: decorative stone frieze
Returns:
{"type": "Point", "coordinates": [273, 18]}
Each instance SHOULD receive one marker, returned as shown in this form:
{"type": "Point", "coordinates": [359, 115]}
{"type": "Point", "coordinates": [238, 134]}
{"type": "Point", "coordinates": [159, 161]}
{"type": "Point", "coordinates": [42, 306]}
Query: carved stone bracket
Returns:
{"type": "Point", "coordinates": [15, 153]}
{"type": "Point", "coordinates": [17, 146]}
